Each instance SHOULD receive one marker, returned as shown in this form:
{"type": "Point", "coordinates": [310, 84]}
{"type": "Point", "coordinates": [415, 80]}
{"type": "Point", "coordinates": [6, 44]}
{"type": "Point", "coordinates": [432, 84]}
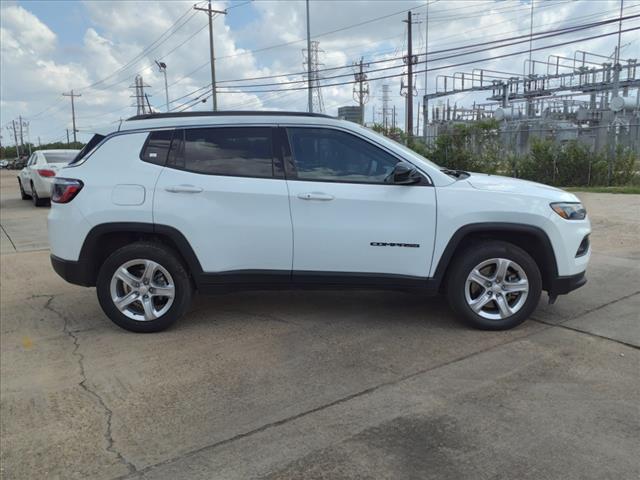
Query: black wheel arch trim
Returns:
{"type": "Point", "coordinates": [550, 263]}
{"type": "Point", "coordinates": [86, 261]}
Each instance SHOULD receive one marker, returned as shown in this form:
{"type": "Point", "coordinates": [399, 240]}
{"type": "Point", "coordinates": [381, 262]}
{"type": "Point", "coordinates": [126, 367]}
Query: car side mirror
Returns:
{"type": "Point", "coordinates": [404, 174]}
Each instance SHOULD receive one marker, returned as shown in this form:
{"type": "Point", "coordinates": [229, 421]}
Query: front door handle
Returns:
{"type": "Point", "coordinates": [325, 197]}
{"type": "Point", "coordinates": [183, 189]}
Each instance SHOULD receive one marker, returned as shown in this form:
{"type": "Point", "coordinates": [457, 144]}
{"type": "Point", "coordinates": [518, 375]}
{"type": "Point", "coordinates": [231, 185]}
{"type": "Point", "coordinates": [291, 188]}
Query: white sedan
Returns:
{"type": "Point", "coordinates": [36, 177]}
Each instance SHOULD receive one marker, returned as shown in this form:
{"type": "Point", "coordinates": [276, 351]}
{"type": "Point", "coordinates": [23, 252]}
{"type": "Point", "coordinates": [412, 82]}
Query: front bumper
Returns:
{"type": "Point", "coordinates": [73, 272]}
{"type": "Point", "coordinates": [564, 285]}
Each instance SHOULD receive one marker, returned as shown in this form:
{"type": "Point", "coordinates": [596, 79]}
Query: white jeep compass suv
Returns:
{"type": "Point", "coordinates": [172, 203]}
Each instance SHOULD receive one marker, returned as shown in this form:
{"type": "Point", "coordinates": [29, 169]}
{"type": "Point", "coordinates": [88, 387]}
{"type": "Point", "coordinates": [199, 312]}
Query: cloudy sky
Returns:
{"type": "Point", "coordinates": [98, 47]}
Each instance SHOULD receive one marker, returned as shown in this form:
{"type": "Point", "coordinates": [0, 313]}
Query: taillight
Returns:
{"type": "Point", "coordinates": [45, 172]}
{"type": "Point", "coordinates": [65, 189]}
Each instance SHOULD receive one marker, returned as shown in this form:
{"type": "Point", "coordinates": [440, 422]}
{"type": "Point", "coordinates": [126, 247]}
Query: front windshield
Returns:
{"type": "Point", "coordinates": [59, 157]}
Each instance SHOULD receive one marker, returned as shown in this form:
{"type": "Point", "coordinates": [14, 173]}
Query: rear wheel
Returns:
{"type": "Point", "coordinates": [23, 194]}
{"type": "Point", "coordinates": [37, 201]}
{"type": "Point", "coordinates": [494, 285]}
{"type": "Point", "coordinates": [143, 287]}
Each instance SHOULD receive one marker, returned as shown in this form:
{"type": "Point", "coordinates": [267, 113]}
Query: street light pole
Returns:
{"type": "Point", "coordinates": [163, 68]}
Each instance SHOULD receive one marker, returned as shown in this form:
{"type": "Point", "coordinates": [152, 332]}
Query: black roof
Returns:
{"type": "Point", "coordinates": [228, 113]}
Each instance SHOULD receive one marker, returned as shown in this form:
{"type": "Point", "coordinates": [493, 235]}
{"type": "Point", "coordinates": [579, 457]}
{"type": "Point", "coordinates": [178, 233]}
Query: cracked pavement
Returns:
{"type": "Point", "coordinates": [316, 385]}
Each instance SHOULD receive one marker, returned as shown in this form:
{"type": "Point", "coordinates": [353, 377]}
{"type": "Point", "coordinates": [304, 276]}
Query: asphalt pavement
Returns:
{"type": "Point", "coordinates": [319, 385]}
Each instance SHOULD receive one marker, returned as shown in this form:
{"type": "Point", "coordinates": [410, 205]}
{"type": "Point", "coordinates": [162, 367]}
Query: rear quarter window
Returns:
{"type": "Point", "coordinates": [88, 148]}
{"type": "Point", "coordinates": [156, 148]}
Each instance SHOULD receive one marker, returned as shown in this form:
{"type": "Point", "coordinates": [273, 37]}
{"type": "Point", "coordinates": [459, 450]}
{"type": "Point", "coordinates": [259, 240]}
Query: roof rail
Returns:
{"type": "Point", "coordinates": [227, 113]}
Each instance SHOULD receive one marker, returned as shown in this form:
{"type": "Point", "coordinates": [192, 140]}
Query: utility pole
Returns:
{"type": "Point", "coordinates": [531, 36]}
{"type": "Point", "coordinates": [15, 136]}
{"type": "Point", "coordinates": [616, 64]}
{"type": "Point", "coordinates": [409, 60]}
{"type": "Point", "coordinates": [619, 31]}
{"type": "Point", "coordinates": [163, 68]}
{"type": "Point", "coordinates": [26, 125]}
{"type": "Point", "coordinates": [73, 111]}
{"type": "Point", "coordinates": [418, 121]}
{"type": "Point", "coordinates": [67, 137]}
{"type": "Point", "coordinates": [142, 99]}
{"type": "Point", "coordinates": [312, 62]}
{"type": "Point", "coordinates": [21, 135]}
{"type": "Point", "coordinates": [309, 79]}
{"type": "Point", "coordinates": [210, 11]}
{"type": "Point", "coordinates": [361, 88]}
{"type": "Point", "coordinates": [385, 106]}
{"type": "Point", "coordinates": [425, 108]}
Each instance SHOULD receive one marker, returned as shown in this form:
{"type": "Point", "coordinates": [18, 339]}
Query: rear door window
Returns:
{"type": "Point", "coordinates": [227, 151]}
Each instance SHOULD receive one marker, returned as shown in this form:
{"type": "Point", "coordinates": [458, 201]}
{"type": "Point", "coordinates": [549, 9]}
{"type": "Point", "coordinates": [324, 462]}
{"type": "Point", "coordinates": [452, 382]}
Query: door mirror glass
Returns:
{"type": "Point", "coordinates": [404, 174]}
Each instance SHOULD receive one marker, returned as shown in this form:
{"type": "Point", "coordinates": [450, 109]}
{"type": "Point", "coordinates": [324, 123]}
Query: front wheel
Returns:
{"type": "Point", "coordinates": [494, 285]}
{"type": "Point", "coordinates": [143, 287]}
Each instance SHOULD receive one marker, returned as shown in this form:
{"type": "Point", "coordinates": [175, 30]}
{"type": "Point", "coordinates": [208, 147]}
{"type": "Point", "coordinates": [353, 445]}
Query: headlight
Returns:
{"type": "Point", "coordinates": [569, 211]}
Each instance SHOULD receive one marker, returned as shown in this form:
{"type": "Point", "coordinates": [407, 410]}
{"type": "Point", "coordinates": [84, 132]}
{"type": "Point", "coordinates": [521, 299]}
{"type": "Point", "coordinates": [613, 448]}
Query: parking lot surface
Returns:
{"type": "Point", "coordinates": [319, 385]}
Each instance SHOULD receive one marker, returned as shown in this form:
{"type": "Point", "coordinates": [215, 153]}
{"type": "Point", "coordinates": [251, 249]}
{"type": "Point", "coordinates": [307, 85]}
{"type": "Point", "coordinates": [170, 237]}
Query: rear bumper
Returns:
{"type": "Point", "coordinates": [72, 272]}
{"type": "Point", "coordinates": [564, 285]}
{"type": "Point", "coordinates": [43, 186]}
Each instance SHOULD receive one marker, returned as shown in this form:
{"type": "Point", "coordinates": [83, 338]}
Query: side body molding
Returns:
{"type": "Point", "coordinates": [84, 271]}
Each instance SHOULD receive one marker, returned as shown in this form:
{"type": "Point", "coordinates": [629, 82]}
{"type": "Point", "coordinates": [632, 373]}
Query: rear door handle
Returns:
{"type": "Point", "coordinates": [315, 196]}
{"type": "Point", "coordinates": [183, 189]}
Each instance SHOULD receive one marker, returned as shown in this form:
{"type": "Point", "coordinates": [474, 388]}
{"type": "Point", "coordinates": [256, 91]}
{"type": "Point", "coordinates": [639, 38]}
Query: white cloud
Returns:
{"type": "Point", "coordinates": [35, 70]}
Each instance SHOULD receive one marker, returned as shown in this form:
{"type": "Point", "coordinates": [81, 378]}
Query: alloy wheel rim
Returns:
{"type": "Point", "coordinates": [496, 289]}
{"type": "Point", "coordinates": [142, 290]}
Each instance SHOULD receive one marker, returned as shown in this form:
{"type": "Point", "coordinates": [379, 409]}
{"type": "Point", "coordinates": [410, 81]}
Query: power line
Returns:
{"type": "Point", "coordinates": [424, 70]}
{"type": "Point", "coordinates": [164, 56]}
{"type": "Point", "coordinates": [538, 35]}
{"type": "Point", "coordinates": [517, 40]}
{"type": "Point", "coordinates": [292, 42]}
{"type": "Point", "coordinates": [330, 68]}
{"type": "Point", "coordinates": [152, 46]}
{"type": "Point", "coordinates": [486, 59]}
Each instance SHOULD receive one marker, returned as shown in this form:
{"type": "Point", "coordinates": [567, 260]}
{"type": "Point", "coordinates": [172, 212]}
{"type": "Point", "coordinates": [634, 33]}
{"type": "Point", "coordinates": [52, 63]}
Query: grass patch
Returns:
{"type": "Point", "coordinates": [633, 189]}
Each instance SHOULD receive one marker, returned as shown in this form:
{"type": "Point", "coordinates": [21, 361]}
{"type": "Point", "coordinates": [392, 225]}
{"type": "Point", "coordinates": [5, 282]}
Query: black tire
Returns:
{"type": "Point", "coordinates": [473, 256]}
{"type": "Point", "coordinates": [37, 201]}
{"type": "Point", "coordinates": [168, 260]}
{"type": "Point", "coordinates": [23, 194]}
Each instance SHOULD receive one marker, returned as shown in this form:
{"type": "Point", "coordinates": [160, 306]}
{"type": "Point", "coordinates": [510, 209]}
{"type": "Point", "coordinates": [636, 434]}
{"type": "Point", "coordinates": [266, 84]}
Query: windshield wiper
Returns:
{"type": "Point", "coordinates": [455, 173]}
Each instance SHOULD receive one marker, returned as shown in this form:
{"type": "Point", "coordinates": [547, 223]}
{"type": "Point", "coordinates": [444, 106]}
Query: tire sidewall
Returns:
{"type": "Point", "coordinates": [23, 194]}
{"type": "Point", "coordinates": [37, 201]}
{"type": "Point", "coordinates": [165, 257]}
{"type": "Point", "coordinates": [474, 256]}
